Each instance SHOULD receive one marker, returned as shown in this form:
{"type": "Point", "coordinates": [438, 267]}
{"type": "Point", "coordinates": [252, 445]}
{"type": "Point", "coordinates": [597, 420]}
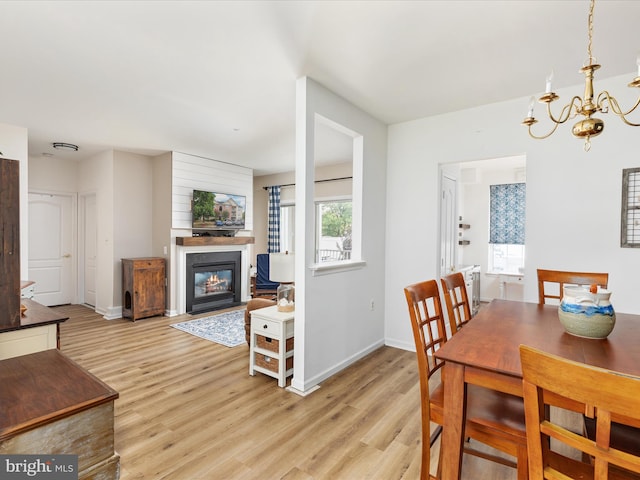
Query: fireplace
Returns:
{"type": "Point", "coordinates": [213, 281]}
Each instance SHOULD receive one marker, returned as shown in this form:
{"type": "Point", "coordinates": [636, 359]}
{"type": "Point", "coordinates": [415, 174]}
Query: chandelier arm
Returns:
{"type": "Point", "coordinates": [555, 125]}
{"type": "Point", "coordinates": [615, 107]}
{"type": "Point", "coordinates": [565, 113]}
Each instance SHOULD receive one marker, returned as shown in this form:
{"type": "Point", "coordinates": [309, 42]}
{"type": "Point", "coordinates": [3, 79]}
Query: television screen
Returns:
{"type": "Point", "coordinates": [217, 211]}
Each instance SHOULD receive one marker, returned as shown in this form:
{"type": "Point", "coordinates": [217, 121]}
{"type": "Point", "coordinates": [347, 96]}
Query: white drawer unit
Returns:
{"type": "Point", "coordinates": [472, 282]}
{"type": "Point", "coordinates": [271, 343]}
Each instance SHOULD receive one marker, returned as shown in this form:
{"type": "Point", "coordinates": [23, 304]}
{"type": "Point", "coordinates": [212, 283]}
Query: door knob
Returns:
{"type": "Point", "coordinates": [66, 255]}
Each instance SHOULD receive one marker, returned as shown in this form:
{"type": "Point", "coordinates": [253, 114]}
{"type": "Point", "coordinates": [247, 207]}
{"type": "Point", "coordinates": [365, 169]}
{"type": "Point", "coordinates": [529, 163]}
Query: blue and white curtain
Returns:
{"type": "Point", "coordinates": [507, 213]}
{"type": "Point", "coordinates": [273, 241]}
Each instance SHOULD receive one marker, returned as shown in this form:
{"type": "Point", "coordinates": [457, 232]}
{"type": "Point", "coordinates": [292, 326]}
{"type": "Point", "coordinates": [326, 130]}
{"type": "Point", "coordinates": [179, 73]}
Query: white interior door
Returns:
{"type": "Point", "coordinates": [89, 242]}
{"type": "Point", "coordinates": [50, 247]}
{"type": "Point", "coordinates": [448, 225]}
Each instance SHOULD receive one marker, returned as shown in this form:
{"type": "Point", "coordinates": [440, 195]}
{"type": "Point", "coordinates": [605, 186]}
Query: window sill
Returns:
{"type": "Point", "coordinates": [329, 268]}
{"type": "Point", "coordinates": [505, 274]}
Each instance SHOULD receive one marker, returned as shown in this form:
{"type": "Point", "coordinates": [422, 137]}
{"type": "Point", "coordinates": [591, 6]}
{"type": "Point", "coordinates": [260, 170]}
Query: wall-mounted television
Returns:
{"type": "Point", "coordinates": [211, 211]}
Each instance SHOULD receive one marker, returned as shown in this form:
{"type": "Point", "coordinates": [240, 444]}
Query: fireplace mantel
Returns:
{"type": "Point", "coordinates": [206, 241]}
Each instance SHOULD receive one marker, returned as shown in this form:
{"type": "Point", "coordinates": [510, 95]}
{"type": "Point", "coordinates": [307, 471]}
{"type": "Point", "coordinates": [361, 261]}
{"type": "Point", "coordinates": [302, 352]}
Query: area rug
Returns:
{"type": "Point", "coordinates": [226, 328]}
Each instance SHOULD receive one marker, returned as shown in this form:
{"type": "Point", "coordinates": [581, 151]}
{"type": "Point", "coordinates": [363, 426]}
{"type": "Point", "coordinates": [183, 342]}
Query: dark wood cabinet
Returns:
{"type": "Point", "coordinates": [143, 287]}
{"type": "Point", "coordinates": [10, 238]}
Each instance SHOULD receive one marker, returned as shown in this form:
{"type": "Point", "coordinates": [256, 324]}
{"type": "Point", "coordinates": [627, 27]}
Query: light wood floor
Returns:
{"type": "Point", "coordinates": [188, 409]}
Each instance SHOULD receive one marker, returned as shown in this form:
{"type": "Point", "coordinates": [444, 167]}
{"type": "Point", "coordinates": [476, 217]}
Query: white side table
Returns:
{"type": "Point", "coordinates": [271, 343]}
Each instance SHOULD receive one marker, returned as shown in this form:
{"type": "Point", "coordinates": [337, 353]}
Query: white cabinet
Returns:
{"type": "Point", "coordinates": [271, 343]}
{"type": "Point", "coordinates": [472, 282]}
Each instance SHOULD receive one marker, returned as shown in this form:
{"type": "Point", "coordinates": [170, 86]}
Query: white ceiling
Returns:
{"type": "Point", "coordinates": [217, 78]}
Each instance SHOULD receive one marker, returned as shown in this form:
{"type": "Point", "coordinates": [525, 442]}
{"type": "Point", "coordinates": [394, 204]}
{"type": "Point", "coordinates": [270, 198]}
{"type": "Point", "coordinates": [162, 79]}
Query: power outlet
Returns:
{"type": "Point", "coordinates": [372, 305]}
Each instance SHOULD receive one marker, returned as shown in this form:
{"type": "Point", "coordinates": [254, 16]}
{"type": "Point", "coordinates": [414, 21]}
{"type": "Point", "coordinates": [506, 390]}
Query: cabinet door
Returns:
{"type": "Point", "coordinates": [149, 288]}
{"type": "Point", "coordinates": [10, 237]}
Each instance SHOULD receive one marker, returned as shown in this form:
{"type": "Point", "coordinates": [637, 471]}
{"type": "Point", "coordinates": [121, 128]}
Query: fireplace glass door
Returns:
{"type": "Point", "coordinates": [212, 282]}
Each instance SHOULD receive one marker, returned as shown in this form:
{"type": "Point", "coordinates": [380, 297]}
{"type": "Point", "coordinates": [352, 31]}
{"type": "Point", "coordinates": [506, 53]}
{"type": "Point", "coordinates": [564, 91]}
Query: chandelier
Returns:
{"type": "Point", "coordinates": [589, 126]}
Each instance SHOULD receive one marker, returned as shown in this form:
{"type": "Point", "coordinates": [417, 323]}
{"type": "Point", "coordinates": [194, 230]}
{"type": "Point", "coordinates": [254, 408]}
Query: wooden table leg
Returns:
{"type": "Point", "coordinates": [455, 400]}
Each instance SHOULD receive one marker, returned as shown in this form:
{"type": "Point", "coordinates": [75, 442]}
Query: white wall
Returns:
{"type": "Point", "coordinates": [573, 197]}
{"type": "Point", "coordinates": [51, 174]}
{"type": "Point", "coordinates": [96, 175]}
{"type": "Point", "coordinates": [161, 211]}
{"type": "Point", "coordinates": [13, 145]}
{"type": "Point", "coordinates": [334, 323]}
{"type": "Point", "coordinates": [133, 212]}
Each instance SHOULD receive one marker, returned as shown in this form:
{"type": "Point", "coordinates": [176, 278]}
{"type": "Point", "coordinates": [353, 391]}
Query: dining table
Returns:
{"type": "Point", "coordinates": [486, 352]}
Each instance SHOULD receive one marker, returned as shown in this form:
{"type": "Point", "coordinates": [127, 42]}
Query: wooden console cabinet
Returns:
{"type": "Point", "coordinates": [143, 287]}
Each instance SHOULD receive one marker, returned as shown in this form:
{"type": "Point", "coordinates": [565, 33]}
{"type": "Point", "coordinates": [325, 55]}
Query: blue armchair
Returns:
{"type": "Point", "coordinates": [261, 285]}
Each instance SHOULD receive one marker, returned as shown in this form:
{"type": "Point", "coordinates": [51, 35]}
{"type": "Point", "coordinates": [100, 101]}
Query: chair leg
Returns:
{"type": "Point", "coordinates": [426, 452]}
{"type": "Point", "coordinates": [426, 460]}
{"type": "Point", "coordinates": [439, 469]}
{"type": "Point", "coordinates": [523, 463]}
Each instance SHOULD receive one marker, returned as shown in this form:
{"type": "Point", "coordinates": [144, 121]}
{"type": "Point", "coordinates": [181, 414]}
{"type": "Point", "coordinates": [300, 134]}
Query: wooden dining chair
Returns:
{"type": "Point", "coordinates": [493, 418]}
{"type": "Point", "coordinates": [561, 278]}
{"type": "Point", "coordinates": [548, 378]}
{"type": "Point", "coordinates": [456, 300]}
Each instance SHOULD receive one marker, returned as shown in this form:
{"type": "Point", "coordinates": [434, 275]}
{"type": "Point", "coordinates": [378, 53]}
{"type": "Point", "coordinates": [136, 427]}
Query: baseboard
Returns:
{"type": "Point", "coordinates": [300, 392]}
{"type": "Point", "coordinates": [112, 313]}
{"type": "Point", "coordinates": [401, 344]}
{"type": "Point", "coordinates": [314, 382]}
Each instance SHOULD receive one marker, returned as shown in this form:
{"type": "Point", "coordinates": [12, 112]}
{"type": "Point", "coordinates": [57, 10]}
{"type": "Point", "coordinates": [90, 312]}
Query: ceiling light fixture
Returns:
{"type": "Point", "coordinates": [589, 126]}
{"type": "Point", "coordinates": [65, 146]}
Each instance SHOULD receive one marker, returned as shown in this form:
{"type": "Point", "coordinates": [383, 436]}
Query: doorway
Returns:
{"type": "Point", "coordinates": [448, 230]}
{"type": "Point", "coordinates": [87, 250]}
{"type": "Point", "coordinates": [464, 220]}
{"type": "Point", "coordinates": [52, 247]}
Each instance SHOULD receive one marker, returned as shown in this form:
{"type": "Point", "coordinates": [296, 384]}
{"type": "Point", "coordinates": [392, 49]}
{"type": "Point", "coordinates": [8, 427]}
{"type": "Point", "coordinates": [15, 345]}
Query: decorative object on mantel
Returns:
{"type": "Point", "coordinates": [589, 126]}
{"type": "Point", "coordinates": [226, 328]}
{"type": "Point", "coordinates": [282, 270]}
{"type": "Point", "coordinates": [587, 311]}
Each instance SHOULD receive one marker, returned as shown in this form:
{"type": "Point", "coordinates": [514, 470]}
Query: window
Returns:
{"type": "Point", "coordinates": [287, 228]}
{"type": "Point", "coordinates": [507, 258]}
{"type": "Point", "coordinates": [630, 225]}
{"type": "Point", "coordinates": [333, 232]}
{"type": "Point", "coordinates": [506, 228]}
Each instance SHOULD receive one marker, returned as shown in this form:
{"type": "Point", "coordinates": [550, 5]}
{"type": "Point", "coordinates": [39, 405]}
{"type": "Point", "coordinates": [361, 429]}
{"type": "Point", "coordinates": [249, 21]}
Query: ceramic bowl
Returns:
{"type": "Point", "coordinates": [590, 326]}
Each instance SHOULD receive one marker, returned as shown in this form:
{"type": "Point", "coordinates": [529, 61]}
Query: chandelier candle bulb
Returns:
{"type": "Point", "coordinates": [532, 102]}
{"type": "Point", "coordinates": [548, 84]}
{"type": "Point", "coordinates": [638, 63]}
